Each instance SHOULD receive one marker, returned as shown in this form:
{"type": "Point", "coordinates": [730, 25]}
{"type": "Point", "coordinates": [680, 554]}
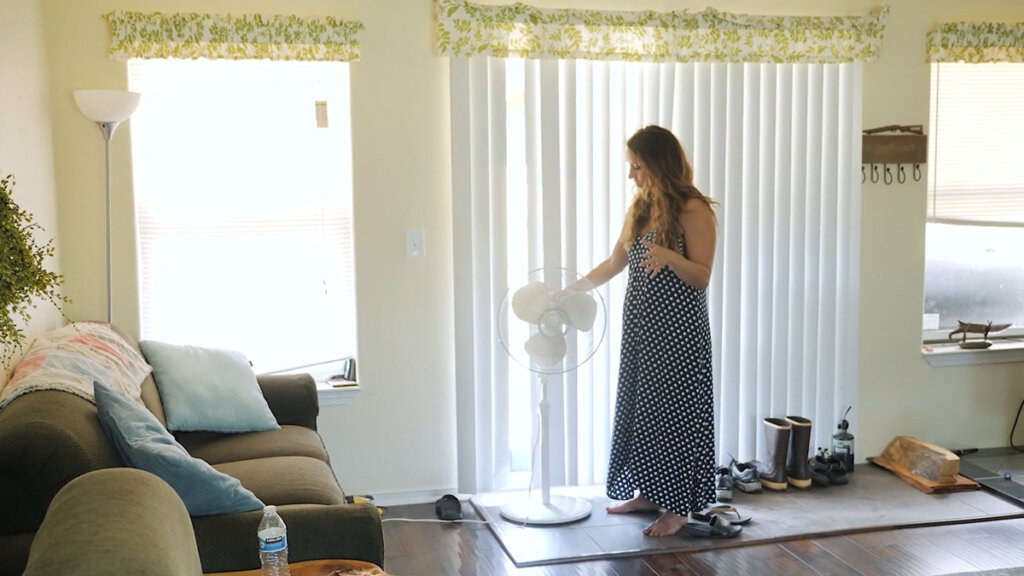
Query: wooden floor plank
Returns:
{"type": "Point", "coordinates": [818, 558]}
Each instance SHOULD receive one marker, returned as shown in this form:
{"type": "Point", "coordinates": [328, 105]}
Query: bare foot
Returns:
{"type": "Point", "coordinates": [666, 525]}
{"type": "Point", "coordinates": [638, 504]}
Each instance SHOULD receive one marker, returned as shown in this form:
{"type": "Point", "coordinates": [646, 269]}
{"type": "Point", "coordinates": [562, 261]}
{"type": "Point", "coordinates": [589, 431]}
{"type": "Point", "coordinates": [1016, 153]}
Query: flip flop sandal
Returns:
{"type": "Point", "coordinates": [716, 527]}
{"type": "Point", "coordinates": [448, 507]}
{"type": "Point", "coordinates": [729, 513]}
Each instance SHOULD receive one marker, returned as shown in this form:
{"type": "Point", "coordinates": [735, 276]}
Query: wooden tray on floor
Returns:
{"type": "Point", "coordinates": [961, 484]}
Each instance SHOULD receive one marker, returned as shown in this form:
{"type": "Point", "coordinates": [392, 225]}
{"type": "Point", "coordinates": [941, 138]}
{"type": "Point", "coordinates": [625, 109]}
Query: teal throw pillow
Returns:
{"type": "Point", "coordinates": [145, 444]}
{"type": "Point", "coordinates": [207, 389]}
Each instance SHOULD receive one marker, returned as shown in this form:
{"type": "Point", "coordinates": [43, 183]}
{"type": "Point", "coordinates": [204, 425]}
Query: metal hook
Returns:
{"type": "Point", "coordinates": [888, 175]}
{"type": "Point", "coordinates": [874, 173]}
{"type": "Point", "coordinates": [917, 172]}
{"type": "Point", "coordinates": [863, 174]}
{"type": "Point", "coordinates": [901, 174]}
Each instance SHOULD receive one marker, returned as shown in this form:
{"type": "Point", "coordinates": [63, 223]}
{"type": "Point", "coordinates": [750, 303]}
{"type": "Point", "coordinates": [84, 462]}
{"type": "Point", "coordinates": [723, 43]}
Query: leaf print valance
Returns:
{"type": "Point", "coordinates": [232, 37]}
{"type": "Point", "coordinates": [975, 42]}
{"type": "Point", "coordinates": [464, 28]}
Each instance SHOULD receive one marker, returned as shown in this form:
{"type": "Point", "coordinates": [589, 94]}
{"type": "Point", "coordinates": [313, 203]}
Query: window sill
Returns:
{"type": "Point", "coordinates": [331, 396]}
{"type": "Point", "coordinates": [1004, 350]}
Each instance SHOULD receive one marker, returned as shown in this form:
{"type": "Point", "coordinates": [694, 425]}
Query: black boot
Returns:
{"type": "Point", "coordinates": [797, 472]}
{"type": "Point", "coordinates": [776, 443]}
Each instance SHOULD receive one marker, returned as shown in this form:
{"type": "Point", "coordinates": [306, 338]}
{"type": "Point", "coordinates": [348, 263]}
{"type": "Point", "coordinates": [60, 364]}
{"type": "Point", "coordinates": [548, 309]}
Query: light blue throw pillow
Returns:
{"type": "Point", "coordinates": [145, 444]}
{"type": "Point", "coordinates": [206, 389]}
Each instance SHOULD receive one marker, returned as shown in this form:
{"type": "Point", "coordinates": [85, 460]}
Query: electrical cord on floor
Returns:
{"type": "Point", "coordinates": [463, 521]}
{"type": "Point", "coordinates": [1014, 428]}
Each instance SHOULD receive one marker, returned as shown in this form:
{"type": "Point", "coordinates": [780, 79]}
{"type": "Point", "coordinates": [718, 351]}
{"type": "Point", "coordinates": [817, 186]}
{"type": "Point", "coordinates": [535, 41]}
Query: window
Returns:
{"type": "Point", "coordinates": [243, 201]}
{"type": "Point", "coordinates": [974, 271]}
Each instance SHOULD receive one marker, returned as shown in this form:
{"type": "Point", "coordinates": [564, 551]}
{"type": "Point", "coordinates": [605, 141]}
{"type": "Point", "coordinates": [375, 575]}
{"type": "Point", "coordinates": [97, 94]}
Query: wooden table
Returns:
{"type": "Point", "coordinates": [321, 568]}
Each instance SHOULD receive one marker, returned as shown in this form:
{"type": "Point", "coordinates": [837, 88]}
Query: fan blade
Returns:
{"type": "Point", "coordinates": [530, 301]}
{"type": "Point", "coordinates": [581, 310]}
{"type": "Point", "coordinates": [545, 350]}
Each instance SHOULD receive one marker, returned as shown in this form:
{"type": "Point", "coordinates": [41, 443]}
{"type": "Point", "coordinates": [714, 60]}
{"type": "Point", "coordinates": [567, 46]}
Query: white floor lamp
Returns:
{"type": "Point", "coordinates": [107, 108]}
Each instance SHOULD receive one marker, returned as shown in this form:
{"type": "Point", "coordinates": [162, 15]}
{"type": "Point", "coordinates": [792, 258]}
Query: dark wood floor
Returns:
{"type": "Point", "coordinates": [430, 548]}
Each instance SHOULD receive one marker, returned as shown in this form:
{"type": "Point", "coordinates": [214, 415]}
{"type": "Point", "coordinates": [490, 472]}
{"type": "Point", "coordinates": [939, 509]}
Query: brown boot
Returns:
{"type": "Point", "coordinates": [776, 443]}
{"type": "Point", "coordinates": [797, 470]}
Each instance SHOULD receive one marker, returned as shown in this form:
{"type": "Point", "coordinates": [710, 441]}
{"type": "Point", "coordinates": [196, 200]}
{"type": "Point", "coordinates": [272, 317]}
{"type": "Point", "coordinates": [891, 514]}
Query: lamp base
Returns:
{"type": "Point", "coordinates": [530, 509]}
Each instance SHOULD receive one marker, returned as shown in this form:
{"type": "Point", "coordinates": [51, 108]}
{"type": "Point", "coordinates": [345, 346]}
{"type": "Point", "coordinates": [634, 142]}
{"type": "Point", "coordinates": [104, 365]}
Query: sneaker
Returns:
{"type": "Point", "coordinates": [817, 468]}
{"type": "Point", "coordinates": [827, 470]}
{"type": "Point", "coordinates": [723, 485]}
{"type": "Point", "coordinates": [836, 471]}
{"type": "Point", "coordinates": [745, 476]}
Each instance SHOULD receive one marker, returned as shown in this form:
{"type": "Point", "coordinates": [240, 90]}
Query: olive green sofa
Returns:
{"type": "Point", "coordinates": [115, 521]}
{"type": "Point", "coordinates": [49, 437]}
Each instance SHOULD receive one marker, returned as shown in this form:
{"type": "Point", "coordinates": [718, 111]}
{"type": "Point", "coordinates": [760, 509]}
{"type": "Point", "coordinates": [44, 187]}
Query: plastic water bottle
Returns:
{"type": "Point", "coordinates": [273, 536]}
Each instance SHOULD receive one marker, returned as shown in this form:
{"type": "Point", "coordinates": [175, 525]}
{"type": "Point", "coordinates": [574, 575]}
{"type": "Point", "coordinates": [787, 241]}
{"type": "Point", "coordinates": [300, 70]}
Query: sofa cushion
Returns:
{"type": "Point", "coordinates": [281, 480]}
{"type": "Point", "coordinates": [143, 443]}
{"type": "Point", "coordinates": [207, 389]}
{"type": "Point", "coordinates": [286, 441]}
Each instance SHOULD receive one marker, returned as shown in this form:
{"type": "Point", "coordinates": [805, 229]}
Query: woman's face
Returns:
{"type": "Point", "coordinates": [637, 171]}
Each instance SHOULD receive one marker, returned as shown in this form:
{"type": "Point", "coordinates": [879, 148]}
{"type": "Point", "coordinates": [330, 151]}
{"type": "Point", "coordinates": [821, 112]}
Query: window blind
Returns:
{"type": "Point", "coordinates": [977, 134]}
{"type": "Point", "coordinates": [243, 205]}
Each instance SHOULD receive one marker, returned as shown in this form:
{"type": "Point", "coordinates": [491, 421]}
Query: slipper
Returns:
{"type": "Point", "coordinates": [730, 513]}
{"type": "Point", "coordinates": [448, 507]}
{"type": "Point", "coordinates": [716, 527]}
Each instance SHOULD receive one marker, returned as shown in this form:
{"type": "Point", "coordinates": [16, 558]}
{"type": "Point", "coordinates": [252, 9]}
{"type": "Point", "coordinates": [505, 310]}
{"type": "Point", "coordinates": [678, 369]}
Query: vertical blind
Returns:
{"type": "Point", "coordinates": [776, 145]}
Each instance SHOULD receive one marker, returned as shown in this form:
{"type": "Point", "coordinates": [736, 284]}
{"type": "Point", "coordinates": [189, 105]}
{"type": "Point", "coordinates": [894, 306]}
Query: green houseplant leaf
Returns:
{"type": "Point", "coordinates": [23, 274]}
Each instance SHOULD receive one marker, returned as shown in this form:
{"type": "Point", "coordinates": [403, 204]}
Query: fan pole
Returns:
{"type": "Point", "coordinates": [550, 509]}
{"type": "Point", "coordinates": [545, 443]}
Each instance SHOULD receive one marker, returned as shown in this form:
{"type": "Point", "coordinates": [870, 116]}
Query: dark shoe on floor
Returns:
{"type": "Point", "coordinates": [726, 511]}
{"type": "Point", "coordinates": [836, 471]}
{"type": "Point", "coordinates": [448, 507]}
{"type": "Point", "coordinates": [724, 484]}
{"type": "Point", "coordinates": [818, 469]}
{"type": "Point", "coordinates": [714, 527]}
{"type": "Point", "coordinates": [745, 476]}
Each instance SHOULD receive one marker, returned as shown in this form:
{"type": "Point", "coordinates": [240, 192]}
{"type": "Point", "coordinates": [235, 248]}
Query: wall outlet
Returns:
{"type": "Point", "coordinates": [415, 243]}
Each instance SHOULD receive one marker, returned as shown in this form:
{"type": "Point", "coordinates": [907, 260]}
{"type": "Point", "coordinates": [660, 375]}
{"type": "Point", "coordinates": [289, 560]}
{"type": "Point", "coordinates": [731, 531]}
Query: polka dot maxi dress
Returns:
{"type": "Point", "coordinates": [663, 440]}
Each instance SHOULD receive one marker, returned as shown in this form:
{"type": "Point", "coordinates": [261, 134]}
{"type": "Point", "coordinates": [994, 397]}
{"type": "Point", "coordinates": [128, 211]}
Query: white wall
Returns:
{"type": "Point", "coordinates": [900, 393]}
{"type": "Point", "coordinates": [399, 436]}
{"type": "Point", "coordinates": [25, 137]}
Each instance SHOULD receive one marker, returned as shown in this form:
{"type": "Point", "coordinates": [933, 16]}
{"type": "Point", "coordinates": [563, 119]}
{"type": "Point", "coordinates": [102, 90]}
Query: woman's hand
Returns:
{"type": "Point", "coordinates": [656, 258]}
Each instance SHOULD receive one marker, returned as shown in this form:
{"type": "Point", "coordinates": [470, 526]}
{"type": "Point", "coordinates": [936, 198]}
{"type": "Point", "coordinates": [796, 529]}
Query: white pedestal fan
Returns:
{"type": "Point", "coordinates": [538, 325]}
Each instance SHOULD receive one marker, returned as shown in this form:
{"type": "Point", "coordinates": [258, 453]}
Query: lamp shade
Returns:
{"type": "Point", "coordinates": [107, 105]}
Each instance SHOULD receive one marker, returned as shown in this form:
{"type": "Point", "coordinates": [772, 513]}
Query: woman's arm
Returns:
{"type": "Point", "coordinates": [698, 224]}
{"type": "Point", "coordinates": [603, 272]}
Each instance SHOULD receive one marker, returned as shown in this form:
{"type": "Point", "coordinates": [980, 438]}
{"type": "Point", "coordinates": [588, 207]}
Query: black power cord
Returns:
{"type": "Point", "coordinates": [1014, 428]}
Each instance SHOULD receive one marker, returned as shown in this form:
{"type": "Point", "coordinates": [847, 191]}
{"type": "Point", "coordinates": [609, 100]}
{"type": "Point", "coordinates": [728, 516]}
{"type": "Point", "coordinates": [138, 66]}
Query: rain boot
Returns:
{"type": "Point", "coordinates": [776, 443]}
{"type": "Point", "coordinates": [797, 469]}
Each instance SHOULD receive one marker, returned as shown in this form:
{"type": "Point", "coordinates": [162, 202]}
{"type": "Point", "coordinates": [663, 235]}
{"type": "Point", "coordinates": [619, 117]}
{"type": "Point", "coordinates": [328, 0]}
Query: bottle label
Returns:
{"type": "Point", "coordinates": [841, 447]}
{"type": "Point", "coordinates": [273, 543]}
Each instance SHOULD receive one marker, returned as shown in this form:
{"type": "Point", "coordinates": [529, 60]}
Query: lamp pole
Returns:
{"type": "Point", "coordinates": [107, 128]}
{"type": "Point", "coordinates": [107, 108]}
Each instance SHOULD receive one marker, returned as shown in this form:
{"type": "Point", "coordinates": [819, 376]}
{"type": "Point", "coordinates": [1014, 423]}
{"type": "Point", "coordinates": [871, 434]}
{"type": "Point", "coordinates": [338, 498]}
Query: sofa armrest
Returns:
{"type": "Point", "coordinates": [315, 532]}
{"type": "Point", "coordinates": [292, 398]}
{"type": "Point", "coordinates": [115, 521]}
{"type": "Point", "coordinates": [47, 439]}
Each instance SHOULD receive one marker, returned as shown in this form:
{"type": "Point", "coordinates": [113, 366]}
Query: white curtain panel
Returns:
{"type": "Point", "coordinates": [540, 180]}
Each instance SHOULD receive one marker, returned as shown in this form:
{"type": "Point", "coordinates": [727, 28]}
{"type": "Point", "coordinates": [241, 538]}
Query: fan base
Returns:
{"type": "Point", "coordinates": [530, 509]}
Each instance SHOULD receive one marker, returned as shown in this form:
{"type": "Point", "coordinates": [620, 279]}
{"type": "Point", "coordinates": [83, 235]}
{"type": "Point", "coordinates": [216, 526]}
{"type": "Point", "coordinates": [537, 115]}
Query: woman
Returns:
{"type": "Point", "coordinates": [662, 455]}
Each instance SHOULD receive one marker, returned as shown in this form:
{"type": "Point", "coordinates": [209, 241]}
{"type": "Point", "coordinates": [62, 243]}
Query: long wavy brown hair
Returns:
{"type": "Point", "coordinates": [668, 186]}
